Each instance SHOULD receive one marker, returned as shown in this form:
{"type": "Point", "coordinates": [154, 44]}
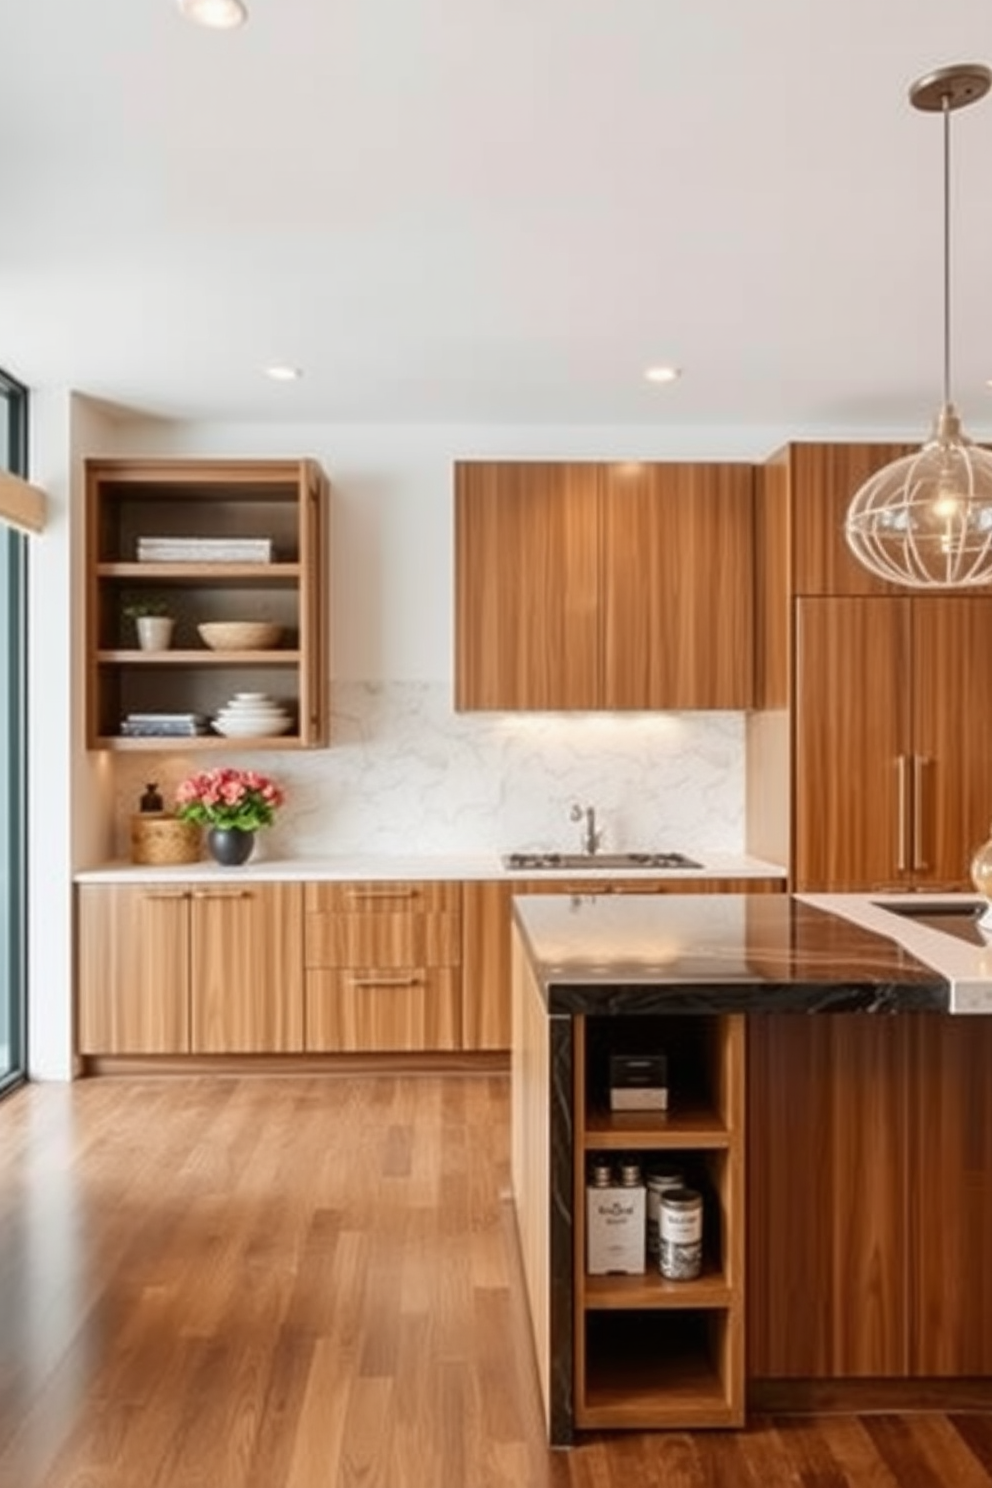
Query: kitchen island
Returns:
{"type": "Point", "coordinates": [820, 1145]}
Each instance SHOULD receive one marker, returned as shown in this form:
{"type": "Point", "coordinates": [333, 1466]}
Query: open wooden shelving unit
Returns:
{"type": "Point", "coordinates": [285, 501]}
{"type": "Point", "coordinates": [649, 1352]}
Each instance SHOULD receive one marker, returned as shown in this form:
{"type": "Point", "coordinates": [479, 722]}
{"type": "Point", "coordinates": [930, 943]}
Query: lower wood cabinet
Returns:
{"type": "Point", "coordinates": [869, 1197]}
{"type": "Point", "coordinates": [650, 1352]}
{"type": "Point", "coordinates": [191, 968]}
{"type": "Point", "coordinates": [383, 970]}
{"type": "Point", "coordinates": [486, 919]}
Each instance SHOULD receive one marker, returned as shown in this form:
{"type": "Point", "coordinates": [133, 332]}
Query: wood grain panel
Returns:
{"type": "Point", "coordinates": [486, 1011]}
{"type": "Point", "coordinates": [527, 585]}
{"type": "Point", "coordinates": [246, 961]}
{"type": "Point", "coordinates": [132, 970]}
{"type": "Point", "coordinates": [530, 1150]}
{"type": "Point", "coordinates": [851, 730]}
{"type": "Point", "coordinates": [828, 1283]}
{"type": "Point", "coordinates": [952, 726]}
{"type": "Point", "coordinates": [383, 924]}
{"type": "Point", "coordinates": [392, 1008]}
{"type": "Point", "coordinates": [772, 583]}
{"type": "Point", "coordinates": [678, 586]}
{"type": "Point", "coordinates": [823, 479]}
{"type": "Point", "coordinates": [950, 1298]}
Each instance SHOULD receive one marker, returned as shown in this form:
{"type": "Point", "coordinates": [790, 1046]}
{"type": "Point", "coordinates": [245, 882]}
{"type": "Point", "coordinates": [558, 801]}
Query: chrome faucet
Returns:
{"type": "Point", "coordinates": [591, 836]}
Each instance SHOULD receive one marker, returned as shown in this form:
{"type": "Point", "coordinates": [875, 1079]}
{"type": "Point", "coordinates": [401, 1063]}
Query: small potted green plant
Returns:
{"type": "Point", "coordinates": [153, 623]}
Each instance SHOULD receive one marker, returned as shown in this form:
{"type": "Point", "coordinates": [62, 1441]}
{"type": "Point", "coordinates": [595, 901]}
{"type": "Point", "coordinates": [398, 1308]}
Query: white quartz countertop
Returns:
{"type": "Point", "coordinates": [966, 964]}
{"type": "Point", "coordinates": [349, 866]}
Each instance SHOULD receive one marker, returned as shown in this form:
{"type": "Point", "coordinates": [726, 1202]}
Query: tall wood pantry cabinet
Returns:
{"type": "Point", "coordinates": [214, 513]}
{"type": "Point", "coordinates": [866, 757]}
{"type": "Point", "coordinates": [603, 586]}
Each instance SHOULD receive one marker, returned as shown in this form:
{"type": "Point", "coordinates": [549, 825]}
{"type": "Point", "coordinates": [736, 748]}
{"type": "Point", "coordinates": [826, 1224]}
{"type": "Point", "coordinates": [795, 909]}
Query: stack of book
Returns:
{"type": "Point", "coordinates": [168, 725]}
{"type": "Point", "coordinates": [204, 550]}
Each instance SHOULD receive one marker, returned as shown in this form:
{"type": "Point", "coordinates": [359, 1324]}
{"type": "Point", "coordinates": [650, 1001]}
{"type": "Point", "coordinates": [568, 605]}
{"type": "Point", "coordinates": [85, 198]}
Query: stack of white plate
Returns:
{"type": "Point", "coordinates": [252, 715]}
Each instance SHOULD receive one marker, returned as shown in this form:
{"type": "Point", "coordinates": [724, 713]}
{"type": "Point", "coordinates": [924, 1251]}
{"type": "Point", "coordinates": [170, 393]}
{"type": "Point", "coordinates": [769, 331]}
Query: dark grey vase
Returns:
{"type": "Point", "coordinates": [230, 846]}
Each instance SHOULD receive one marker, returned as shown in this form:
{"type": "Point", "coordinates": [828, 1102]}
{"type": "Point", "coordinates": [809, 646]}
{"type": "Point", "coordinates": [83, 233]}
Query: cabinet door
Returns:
{"type": "Point", "coordinates": [827, 1196]}
{"type": "Point", "coordinates": [678, 554]}
{"type": "Point", "coordinates": [133, 969]}
{"type": "Point", "coordinates": [950, 1207]}
{"type": "Point", "coordinates": [853, 759]}
{"type": "Point", "coordinates": [823, 479]}
{"type": "Point", "coordinates": [527, 629]}
{"type": "Point", "coordinates": [390, 1010]}
{"type": "Point", "coordinates": [952, 725]}
{"type": "Point", "coordinates": [247, 977]}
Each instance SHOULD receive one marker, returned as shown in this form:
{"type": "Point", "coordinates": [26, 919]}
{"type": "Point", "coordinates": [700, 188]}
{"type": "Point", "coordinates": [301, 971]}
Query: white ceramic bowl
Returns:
{"type": "Point", "coordinates": [241, 728]}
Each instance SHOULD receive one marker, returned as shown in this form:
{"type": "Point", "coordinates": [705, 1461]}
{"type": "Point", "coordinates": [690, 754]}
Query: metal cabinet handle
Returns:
{"type": "Point", "coordinates": [221, 893]}
{"type": "Point", "coordinates": [409, 979]}
{"type": "Point", "coordinates": [920, 762]}
{"type": "Point", "coordinates": [177, 894]}
{"type": "Point", "coordinates": [902, 840]}
{"type": "Point", "coordinates": [382, 893]}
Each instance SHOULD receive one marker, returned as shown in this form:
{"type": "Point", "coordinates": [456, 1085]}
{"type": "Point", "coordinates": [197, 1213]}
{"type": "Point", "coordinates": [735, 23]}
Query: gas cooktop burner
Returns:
{"type": "Point", "coordinates": [626, 860]}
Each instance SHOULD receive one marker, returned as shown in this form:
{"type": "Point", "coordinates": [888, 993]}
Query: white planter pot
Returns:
{"type": "Point", "coordinates": [154, 632]}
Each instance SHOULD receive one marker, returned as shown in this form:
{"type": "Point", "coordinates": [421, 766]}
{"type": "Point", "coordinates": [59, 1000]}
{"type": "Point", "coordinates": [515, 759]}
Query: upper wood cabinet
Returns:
{"type": "Point", "coordinates": [591, 586]}
{"type": "Point", "coordinates": [527, 586]}
{"type": "Point", "coordinates": [201, 506]}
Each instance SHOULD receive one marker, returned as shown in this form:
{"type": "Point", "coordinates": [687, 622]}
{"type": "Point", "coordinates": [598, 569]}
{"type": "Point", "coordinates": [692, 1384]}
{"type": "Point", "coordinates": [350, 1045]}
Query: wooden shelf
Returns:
{"type": "Point", "coordinates": [213, 573]}
{"type": "Point", "coordinates": [695, 1125]}
{"type": "Point", "coordinates": [650, 1352]}
{"type": "Point", "coordinates": [188, 658]}
{"type": "Point", "coordinates": [281, 501]}
{"type": "Point", "coordinates": [652, 1290]}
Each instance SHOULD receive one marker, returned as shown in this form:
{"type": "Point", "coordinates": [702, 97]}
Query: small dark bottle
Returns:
{"type": "Point", "coordinates": [151, 800]}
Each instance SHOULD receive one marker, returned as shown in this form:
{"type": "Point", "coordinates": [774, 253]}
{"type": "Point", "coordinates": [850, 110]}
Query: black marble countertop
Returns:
{"type": "Point", "coordinates": [717, 953]}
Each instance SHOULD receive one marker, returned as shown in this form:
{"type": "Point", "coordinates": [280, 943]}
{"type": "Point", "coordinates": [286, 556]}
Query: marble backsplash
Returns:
{"type": "Point", "coordinates": [406, 774]}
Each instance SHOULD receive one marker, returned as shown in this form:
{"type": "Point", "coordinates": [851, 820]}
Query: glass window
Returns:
{"type": "Point", "coordinates": [13, 556]}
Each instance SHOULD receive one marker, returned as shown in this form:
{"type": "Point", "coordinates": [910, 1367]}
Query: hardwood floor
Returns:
{"type": "Point", "coordinates": [307, 1282]}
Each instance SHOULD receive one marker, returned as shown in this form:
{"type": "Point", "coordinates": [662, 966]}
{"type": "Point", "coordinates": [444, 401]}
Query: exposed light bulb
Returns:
{"type": "Point", "coordinates": [219, 15]}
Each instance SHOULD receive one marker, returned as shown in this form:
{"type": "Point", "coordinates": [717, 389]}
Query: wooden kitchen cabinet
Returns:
{"type": "Point", "coordinates": [677, 575]}
{"type": "Point", "coordinates": [192, 968]}
{"type": "Point", "coordinates": [527, 614]}
{"type": "Point", "coordinates": [869, 1197]}
{"type": "Point", "coordinates": [864, 761]}
{"type": "Point", "coordinates": [892, 717]}
{"type": "Point", "coordinates": [487, 937]}
{"type": "Point", "coordinates": [652, 1353]}
{"type": "Point", "coordinates": [283, 501]}
{"type": "Point", "coordinates": [383, 966]}
{"type": "Point", "coordinates": [594, 586]}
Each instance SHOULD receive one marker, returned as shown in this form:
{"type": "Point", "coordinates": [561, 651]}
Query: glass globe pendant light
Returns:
{"type": "Point", "coordinates": [925, 521]}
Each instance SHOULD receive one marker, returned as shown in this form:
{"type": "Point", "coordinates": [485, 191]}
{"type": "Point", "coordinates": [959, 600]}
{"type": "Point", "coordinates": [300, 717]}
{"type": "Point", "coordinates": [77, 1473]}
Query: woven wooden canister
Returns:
{"type": "Point", "coordinates": [159, 839]}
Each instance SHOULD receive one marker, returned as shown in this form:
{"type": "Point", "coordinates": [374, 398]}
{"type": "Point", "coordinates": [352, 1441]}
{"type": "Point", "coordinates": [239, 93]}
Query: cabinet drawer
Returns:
{"type": "Point", "coordinates": [380, 925]}
{"type": "Point", "coordinates": [396, 1008]}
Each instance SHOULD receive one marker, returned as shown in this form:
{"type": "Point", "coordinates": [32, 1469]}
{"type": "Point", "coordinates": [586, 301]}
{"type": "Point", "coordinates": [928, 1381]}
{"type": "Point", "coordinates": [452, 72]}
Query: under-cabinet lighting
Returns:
{"type": "Point", "coordinates": [220, 15]}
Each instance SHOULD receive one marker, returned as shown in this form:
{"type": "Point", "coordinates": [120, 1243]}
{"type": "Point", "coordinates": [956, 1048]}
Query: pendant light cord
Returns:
{"type": "Point", "coordinates": [947, 249]}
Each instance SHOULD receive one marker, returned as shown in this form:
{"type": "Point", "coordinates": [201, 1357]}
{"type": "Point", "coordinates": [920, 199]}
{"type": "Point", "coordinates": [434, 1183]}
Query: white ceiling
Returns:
{"type": "Point", "coordinates": [495, 210]}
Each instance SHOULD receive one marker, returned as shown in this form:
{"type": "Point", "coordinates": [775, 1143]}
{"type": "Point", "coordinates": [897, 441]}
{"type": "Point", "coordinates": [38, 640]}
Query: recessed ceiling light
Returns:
{"type": "Point", "coordinates": [220, 15]}
{"type": "Point", "coordinates": [280, 373]}
{"type": "Point", "coordinates": [663, 374]}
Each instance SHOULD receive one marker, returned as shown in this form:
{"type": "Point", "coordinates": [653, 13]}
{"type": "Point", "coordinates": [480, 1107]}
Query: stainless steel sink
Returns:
{"type": "Point", "coordinates": [625, 861]}
{"type": "Point", "coordinates": [954, 917]}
